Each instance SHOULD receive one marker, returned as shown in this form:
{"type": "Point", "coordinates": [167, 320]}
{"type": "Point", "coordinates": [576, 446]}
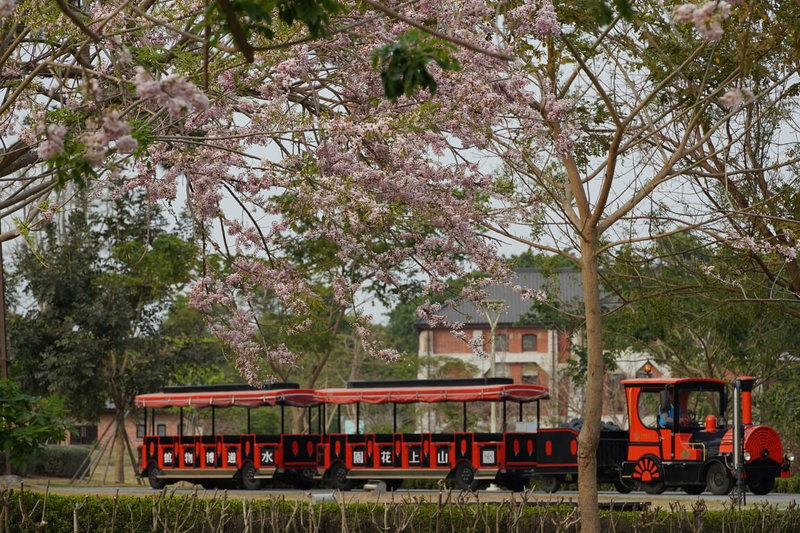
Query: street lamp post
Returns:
{"type": "Point", "coordinates": [492, 309]}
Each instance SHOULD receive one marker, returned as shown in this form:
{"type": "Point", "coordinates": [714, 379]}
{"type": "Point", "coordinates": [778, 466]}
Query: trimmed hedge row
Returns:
{"type": "Point", "coordinates": [167, 512]}
{"type": "Point", "coordinates": [787, 484]}
{"type": "Point", "coordinates": [55, 461]}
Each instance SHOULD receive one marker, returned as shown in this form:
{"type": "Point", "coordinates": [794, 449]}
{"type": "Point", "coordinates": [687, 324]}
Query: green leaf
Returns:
{"type": "Point", "coordinates": [403, 63]}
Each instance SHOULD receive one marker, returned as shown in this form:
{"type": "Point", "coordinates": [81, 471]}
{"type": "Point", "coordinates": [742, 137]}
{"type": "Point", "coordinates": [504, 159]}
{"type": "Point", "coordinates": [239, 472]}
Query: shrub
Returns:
{"type": "Point", "coordinates": [54, 460]}
{"type": "Point", "coordinates": [788, 484]}
{"type": "Point", "coordinates": [165, 511]}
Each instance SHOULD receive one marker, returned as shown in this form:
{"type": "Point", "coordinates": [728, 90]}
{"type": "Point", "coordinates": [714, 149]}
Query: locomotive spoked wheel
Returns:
{"type": "Point", "coordinates": [763, 487]}
{"type": "Point", "coordinates": [550, 483]}
{"type": "Point", "coordinates": [623, 486]}
{"type": "Point", "coordinates": [249, 481]}
{"type": "Point", "coordinates": [718, 480]}
{"type": "Point", "coordinates": [339, 479]}
{"type": "Point", "coordinates": [465, 476]}
{"type": "Point", "coordinates": [152, 476]}
{"type": "Point", "coordinates": [654, 487]}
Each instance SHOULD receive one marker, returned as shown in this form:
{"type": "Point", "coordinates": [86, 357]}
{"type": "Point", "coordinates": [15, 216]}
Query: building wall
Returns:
{"type": "Point", "coordinates": [103, 430]}
{"type": "Point", "coordinates": [546, 366]}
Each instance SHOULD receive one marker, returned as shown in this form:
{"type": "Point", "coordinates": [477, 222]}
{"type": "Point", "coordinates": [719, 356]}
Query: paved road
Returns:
{"type": "Point", "coordinates": [661, 500]}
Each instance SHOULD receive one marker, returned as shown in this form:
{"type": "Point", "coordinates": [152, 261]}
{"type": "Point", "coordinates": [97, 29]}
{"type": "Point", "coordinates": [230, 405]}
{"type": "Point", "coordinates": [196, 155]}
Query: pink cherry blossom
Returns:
{"type": "Point", "coordinates": [546, 24]}
{"type": "Point", "coordinates": [127, 144]}
{"type": "Point", "coordinates": [707, 18]}
{"type": "Point", "coordinates": [7, 7]}
{"type": "Point", "coordinates": [54, 142]}
{"type": "Point", "coordinates": [113, 127]}
{"type": "Point", "coordinates": [683, 13]}
{"type": "Point", "coordinates": [736, 97]}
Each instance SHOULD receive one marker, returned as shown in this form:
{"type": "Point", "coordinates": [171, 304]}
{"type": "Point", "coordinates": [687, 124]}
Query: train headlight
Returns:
{"type": "Point", "coordinates": [790, 456]}
{"type": "Point", "coordinates": [746, 455]}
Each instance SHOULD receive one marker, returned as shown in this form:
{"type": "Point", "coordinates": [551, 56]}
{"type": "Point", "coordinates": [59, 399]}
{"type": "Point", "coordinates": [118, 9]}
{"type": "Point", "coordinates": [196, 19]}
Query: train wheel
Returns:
{"type": "Point", "coordinates": [249, 481]}
{"type": "Point", "coordinates": [465, 476]}
{"type": "Point", "coordinates": [515, 484]}
{"type": "Point", "coordinates": [623, 486]}
{"type": "Point", "coordinates": [303, 479]}
{"type": "Point", "coordinates": [654, 487]}
{"type": "Point", "coordinates": [718, 480]}
{"type": "Point", "coordinates": [694, 490]}
{"type": "Point", "coordinates": [339, 479]}
{"type": "Point", "coordinates": [763, 487]}
{"type": "Point", "coordinates": [393, 484]}
{"type": "Point", "coordinates": [550, 483]}
{"type": "Point", "coordinates": [152, 476]}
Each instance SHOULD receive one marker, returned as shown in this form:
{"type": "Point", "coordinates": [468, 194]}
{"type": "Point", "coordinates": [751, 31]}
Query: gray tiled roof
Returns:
{"type": "Point", "coordinates": [563, 285]}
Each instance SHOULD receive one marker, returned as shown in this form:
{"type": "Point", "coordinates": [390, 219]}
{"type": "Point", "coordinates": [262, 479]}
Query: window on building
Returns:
{"type": "Point", "coordinates": [140, 431]}
{"type": "Point", "coordinates": [529, 343]}
{"type": "Point", "coordinates": [161, 430]}
{"type": "Point", "coordinates": [530, 373]}
{"type": "Point", "coordinates": [501, 343]}
{"type": "Point", "coordinates": [83, 435]}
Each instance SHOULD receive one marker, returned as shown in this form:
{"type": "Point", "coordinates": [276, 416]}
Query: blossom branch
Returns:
{"type": "Point", "coordinates": [455, 40]}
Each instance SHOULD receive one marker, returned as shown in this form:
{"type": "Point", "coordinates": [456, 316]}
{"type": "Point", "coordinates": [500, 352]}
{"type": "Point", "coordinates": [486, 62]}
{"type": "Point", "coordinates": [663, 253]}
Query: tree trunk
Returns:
{"type": "Point", "coordinates": [589, 436]}
{"type": "Point", "coordinates": [119, 418]}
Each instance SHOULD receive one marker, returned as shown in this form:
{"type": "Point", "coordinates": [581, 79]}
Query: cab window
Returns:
{"type": "Point", "coordinates": [648, 408]}
{"type": "Point", "coordinates": [696, 405]}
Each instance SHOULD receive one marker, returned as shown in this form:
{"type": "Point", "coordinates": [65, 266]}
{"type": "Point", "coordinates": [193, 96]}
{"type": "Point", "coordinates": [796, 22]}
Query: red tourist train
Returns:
{"type": "Point", "coordinates": [677, 439]}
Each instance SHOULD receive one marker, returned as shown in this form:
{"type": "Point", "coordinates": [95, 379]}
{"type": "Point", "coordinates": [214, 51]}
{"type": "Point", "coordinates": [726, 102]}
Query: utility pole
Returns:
{"type": "Point", "coordinates": [492, 309]}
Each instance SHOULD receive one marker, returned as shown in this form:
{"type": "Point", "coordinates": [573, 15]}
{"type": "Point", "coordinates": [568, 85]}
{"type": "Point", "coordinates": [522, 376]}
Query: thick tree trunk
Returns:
{"type": "Point", "coordinates": [119, 417]}
{"type": "Point", "coordinates": [589, 436]}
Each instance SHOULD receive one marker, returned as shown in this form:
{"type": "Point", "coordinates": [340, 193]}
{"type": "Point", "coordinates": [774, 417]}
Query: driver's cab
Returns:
{"type": "Point", "coordinates": [674, 418]}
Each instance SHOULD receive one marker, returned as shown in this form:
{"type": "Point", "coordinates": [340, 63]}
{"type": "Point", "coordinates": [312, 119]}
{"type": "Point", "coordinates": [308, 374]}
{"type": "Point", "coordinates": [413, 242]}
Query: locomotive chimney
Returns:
{"type": "Point", "coordinates": [747, 404]}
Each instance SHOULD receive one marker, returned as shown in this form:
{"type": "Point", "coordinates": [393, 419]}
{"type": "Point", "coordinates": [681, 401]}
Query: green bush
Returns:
{"type": "Point", "coordinates": [55, 461]}
{"type": "Point", "coordinates": [165, 511]}
{"type": "Point", "coordinates": [61, 461]}
{"type": "Point", "coordinates": [788, 484]}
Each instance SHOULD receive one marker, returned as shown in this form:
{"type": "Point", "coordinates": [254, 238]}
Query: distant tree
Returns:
{"type": "Point", "coordinates": [684, 318]}
{"type": "Point", "coordinates": [102, 283]}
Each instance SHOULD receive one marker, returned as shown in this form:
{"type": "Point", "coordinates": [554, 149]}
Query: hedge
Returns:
{"type": "Point", "coordinates": [55, 461]}
{"type": "Point", "coordinates": [787, 484]}
{"type": "Point", "coordinates": [168, 512]}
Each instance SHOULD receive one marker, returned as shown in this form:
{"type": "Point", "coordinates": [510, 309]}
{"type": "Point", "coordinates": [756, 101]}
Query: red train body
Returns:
{"type": "Point", "coordinates": [691, 449]}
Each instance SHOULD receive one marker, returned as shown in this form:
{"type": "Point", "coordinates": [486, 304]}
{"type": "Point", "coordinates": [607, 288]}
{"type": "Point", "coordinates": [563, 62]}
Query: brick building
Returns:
{"type": "Point", "coordinates": [526, 351]}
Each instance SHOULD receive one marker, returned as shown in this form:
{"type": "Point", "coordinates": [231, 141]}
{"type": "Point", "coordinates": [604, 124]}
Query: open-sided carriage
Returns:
{"type": "Point", "coordinates": [470, 457]}
{"type": "Point", "coordinates": [222, 460]}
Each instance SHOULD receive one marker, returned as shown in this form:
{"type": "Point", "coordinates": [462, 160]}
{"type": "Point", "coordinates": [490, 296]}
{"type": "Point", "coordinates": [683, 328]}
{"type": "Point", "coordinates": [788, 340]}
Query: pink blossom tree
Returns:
{"type": "Point", "coordinates": [554, 132]}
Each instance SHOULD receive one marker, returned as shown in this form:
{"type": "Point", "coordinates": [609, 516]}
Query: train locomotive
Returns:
{"type": "Point", "coordinates": [678, 438]}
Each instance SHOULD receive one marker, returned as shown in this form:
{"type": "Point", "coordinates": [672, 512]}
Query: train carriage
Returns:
{"type": "Point", "coordinates": [224, 460]}
{"type": "Point", "coordinates": [471, 457]}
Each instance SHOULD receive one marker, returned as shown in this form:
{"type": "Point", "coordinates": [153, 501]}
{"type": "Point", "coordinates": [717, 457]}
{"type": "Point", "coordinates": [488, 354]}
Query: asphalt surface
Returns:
{"type": "Point", "coordinates": [565, 496]}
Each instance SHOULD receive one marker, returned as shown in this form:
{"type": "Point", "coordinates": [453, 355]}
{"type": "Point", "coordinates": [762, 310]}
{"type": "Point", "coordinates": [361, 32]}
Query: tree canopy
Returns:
{"type": "Point", "coordinates": [556, 132]}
